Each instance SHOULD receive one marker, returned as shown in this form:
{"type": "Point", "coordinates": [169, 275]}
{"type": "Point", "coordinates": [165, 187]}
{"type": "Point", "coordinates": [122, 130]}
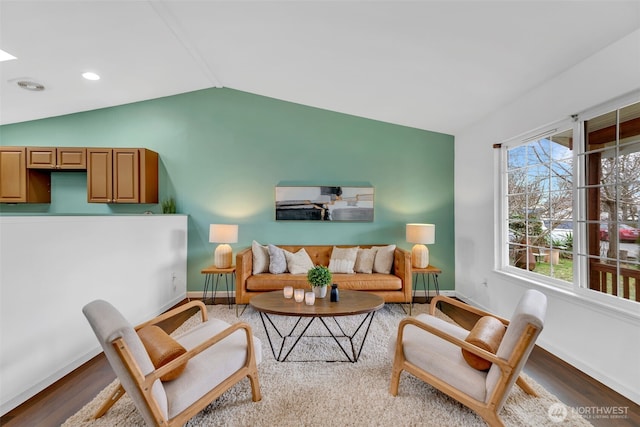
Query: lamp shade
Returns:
{"type": "Point", "coordinates": [421, 233]}
{"type": "Point", "coordinates": [223, 233]}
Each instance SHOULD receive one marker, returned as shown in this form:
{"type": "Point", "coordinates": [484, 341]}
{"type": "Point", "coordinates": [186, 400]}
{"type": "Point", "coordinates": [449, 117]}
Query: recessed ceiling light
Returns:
{"type": "Point", "coordinates": [5, 56]}
{"type": "Point", "coordinates": [30, 85]}
{"type": "Point", "coordinates": [90, 76]}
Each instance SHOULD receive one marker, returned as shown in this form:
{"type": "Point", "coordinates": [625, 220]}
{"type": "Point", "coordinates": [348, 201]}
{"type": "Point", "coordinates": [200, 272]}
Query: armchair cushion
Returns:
{"type": "Point", "coordinates": [209, 368]}
{"type": "Point", "coordinates": [441, 358]}
{"type": "Point", "coordinates": [162, 349]}
{"type": "Point", "coordinates": [487, 334]}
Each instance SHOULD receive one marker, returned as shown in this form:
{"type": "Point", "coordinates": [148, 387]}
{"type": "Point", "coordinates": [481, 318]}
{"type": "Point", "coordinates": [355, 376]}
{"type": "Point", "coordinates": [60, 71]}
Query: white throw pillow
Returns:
{"type": "Point", "coordinates": [299, 262]}
{"type": "Point", "coordinates": [343, 259]}
{"type": "Point", "coordinates": [384, 259]}
{"type": "Point", "coordinates": [364, 260]}
{"type": "Point", "coordinates": [277, 260]}
{"type": "Point", "coordinates": [260, 258]}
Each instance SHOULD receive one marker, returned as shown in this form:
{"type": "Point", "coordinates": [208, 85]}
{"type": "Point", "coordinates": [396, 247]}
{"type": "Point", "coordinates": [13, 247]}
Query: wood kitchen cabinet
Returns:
{"type": "Point", "coordinates": [58, 158]}
{"type": "Point", "coordinates": [19, 184]}
{"type": "Point", "coordinates": [122, 175]}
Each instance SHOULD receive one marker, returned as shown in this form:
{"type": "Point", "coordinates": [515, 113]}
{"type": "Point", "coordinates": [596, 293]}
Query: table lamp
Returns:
{"type": "Point", "coordinates": [421, 235]}
{"type": "Point", "coordinates": [223, 234]}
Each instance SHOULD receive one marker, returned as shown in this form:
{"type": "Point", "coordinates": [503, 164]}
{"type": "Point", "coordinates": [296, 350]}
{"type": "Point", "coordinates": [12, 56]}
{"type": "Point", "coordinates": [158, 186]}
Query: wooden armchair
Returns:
{"type": "Point", "coordinates": [218, 355]}
{"type": "Point", "coordinates": [430, 349]}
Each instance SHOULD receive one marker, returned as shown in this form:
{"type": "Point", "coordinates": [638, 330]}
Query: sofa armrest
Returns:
{"type": "Point", "coordinates": [402, 269]}
{"type": "Point", "coordinates": [244, 269]}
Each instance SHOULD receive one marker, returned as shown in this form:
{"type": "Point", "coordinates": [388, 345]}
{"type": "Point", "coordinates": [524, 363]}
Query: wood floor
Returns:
{"type": "Point", "coordinates": [55, 404]}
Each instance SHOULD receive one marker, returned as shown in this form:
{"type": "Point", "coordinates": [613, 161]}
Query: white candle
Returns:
{"type": "Point", "coordinates": [298, 295]}
{"type": "Point", "coordinates": [288, 291]}
{"type": "Point", "coordinates": [309, 298]}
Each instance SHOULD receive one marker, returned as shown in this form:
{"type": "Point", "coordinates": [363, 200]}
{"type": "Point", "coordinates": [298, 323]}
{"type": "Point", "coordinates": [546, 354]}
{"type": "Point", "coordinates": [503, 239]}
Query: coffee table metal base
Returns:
{"type": "Point", "coordinates": [351, 354]}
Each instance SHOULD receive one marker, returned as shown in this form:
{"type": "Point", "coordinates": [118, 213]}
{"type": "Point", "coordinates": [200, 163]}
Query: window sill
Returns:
{"type": "Point", "coordinates": [592, 300]}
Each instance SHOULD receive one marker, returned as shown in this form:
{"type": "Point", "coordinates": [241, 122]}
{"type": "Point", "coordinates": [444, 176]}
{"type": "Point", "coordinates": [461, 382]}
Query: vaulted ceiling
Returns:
{"type": "Point", "coordinates": [436, 65]}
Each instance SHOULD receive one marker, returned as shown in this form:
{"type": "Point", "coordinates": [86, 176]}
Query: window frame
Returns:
{"type": "Point", "coordinates": [503, 212]}
{"type": "Point", "coordinates": [579, 287]}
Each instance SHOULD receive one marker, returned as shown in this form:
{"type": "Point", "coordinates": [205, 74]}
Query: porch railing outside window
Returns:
{"type": "Point", "coordinates": [612, 188]}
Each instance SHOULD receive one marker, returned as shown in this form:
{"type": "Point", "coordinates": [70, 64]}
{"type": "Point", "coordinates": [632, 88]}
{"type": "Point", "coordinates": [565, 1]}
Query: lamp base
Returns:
{"type": "Point", "coordinates": [223, 256]}
{"type": "Point", "coordinates": [420, 256]}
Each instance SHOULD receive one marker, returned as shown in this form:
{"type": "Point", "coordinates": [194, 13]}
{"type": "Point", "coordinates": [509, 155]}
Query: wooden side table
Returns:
{"type": "Point", "coordinates": [430, 271]}
{"type": "Point", "coordinates": [212, 276]}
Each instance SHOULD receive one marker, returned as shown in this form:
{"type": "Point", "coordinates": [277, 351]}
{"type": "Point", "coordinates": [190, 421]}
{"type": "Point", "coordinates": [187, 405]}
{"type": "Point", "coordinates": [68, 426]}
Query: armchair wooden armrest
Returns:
{"type": "Point", "coordinates": [463, 306]}
{"type": "Point", "coordinates": [176, 311]}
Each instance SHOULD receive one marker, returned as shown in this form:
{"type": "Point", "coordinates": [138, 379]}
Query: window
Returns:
{"type": "Point", "coordinates": [612, 193]}
{"type": "Point", "coordinates": [539, 198]}
{"type": "Point", "coordinates": [570, 203]}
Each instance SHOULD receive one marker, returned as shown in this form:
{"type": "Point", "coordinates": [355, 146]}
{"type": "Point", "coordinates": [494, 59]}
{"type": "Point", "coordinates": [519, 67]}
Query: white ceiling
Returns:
{"type": "Point", "coordinates": [436, 65]}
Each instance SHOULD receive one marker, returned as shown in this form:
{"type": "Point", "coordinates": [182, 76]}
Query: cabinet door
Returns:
{"type": "Point", "coordinates": [72, 158]}
{"type": "Point", "coordinates": [13, 174]}
{"type": "Point", "coordinates": [99, 175]}
{"type": "Point", "coordinates": [41, 157]}
{"type": "Point", "coordinates": [19, 184]}
{"type": "Point", "coordinates": [148, 176]}
{"type": "Point", "coordinates": [126, 175]}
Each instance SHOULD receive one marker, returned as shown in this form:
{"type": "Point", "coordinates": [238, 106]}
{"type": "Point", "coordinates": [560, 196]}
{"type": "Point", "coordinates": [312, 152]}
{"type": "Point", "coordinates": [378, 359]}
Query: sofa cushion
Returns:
{"type": "Point", "coordinates": [343, 259]}
{"type": "Point", "coordinates": [364, 260]}
{"type": "Point", "coordinates": [384, 259]}
{"type": "Point", "coordinates": [299, 262]}
{"type": "Point", "coordinates": [260, 258]}
{"type": "Point", "coordinates": [356, 282]}
{"type": "Point", "coordinates": [277, 260]}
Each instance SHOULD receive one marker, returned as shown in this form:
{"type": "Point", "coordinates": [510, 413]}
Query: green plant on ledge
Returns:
{"type": "Point", "coordinates": [319, 276]}
{"type": "Point", "coordinates": [168, 206]}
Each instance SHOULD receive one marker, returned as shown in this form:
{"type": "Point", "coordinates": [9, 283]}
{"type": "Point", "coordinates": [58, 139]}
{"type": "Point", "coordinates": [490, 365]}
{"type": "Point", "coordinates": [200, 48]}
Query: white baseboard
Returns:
{"type": "Point", "coordinates": [219, 294]}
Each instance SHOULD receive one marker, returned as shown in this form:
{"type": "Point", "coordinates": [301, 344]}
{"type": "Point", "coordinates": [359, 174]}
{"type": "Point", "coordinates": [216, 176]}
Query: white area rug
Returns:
{"type": "Point", "coordinates": [338, 393]}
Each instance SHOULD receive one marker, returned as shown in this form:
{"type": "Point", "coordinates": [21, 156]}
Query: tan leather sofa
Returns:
{"type": "Point", "coordinates": [394, 287]}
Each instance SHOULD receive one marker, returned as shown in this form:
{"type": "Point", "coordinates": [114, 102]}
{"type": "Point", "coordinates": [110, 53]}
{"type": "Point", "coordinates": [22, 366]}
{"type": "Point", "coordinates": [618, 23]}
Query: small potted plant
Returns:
{"type": "Point", "coordinates": [319, 277]}
{"type": "Point", "coordinates": [169, 206]}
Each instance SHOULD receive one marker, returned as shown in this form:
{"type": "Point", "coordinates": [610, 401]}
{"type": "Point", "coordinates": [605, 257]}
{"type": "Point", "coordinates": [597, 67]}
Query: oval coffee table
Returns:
{"type": "Point", "coordinates": [351, 303]}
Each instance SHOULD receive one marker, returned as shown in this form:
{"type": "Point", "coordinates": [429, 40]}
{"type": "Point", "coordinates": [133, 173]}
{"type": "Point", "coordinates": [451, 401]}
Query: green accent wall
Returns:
{"type": "Point", "coordinates": [223, 151]}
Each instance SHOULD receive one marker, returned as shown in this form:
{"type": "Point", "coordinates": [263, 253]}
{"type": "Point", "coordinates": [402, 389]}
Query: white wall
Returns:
{"type": "Point", "coordinates": [597, 340]}
{"type": "Point", "coordinates": [51, 266]}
